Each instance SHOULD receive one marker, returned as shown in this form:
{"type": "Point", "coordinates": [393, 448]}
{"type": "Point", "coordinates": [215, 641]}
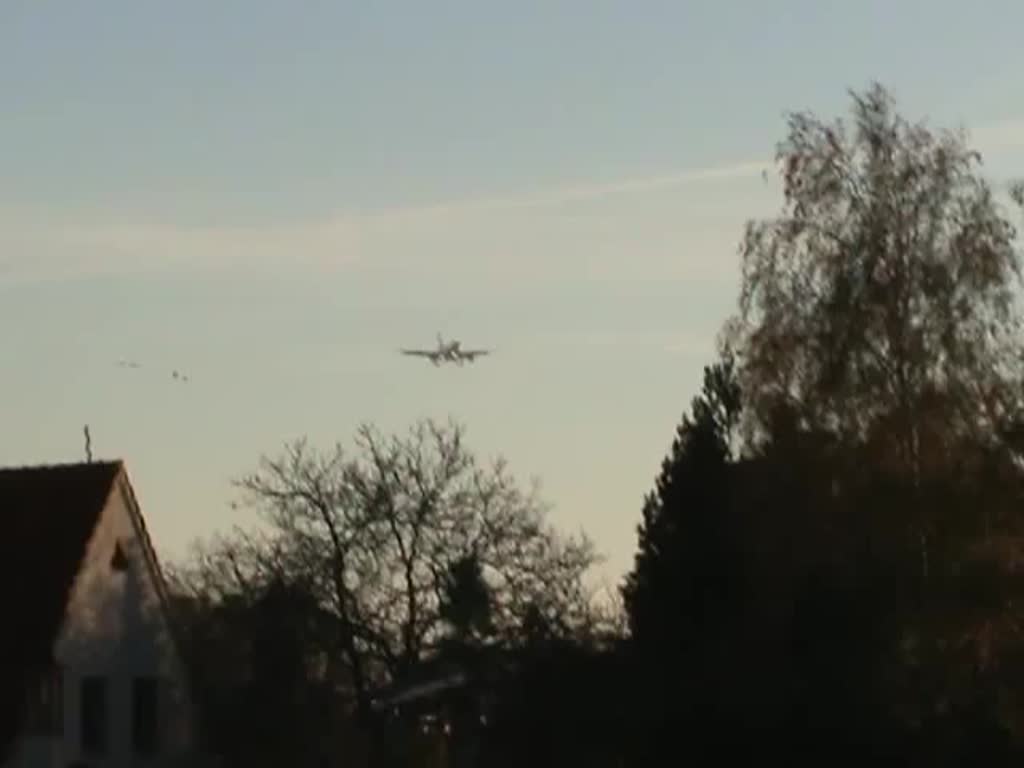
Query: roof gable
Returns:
{"type": "Point", "coordinates": [48, 515]}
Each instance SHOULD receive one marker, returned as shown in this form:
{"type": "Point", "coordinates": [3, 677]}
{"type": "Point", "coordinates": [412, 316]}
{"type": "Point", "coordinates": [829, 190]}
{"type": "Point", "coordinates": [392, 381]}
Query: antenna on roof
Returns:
{"type": "Point", "coordinates": [88, 445]}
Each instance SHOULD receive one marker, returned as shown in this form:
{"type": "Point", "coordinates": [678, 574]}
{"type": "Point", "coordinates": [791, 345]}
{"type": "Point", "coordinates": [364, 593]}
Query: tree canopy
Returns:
{"type": "Point", "coordinates": [387, 537]}
{"type": "Point", "coordinates": [885, 293]}
{"type": "Point", "coordinates": [845, 574]}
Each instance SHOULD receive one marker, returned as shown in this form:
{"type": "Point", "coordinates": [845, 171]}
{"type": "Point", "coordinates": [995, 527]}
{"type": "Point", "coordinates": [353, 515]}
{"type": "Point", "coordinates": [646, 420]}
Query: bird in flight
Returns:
{"type": "Point", "coordinates": [448, 352]}
{"type": "Point", "coordinates": [176, 375]}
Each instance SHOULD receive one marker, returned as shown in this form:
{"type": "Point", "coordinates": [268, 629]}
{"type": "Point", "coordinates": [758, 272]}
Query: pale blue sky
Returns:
{"type": "Point", "coordinates": [275, 196]}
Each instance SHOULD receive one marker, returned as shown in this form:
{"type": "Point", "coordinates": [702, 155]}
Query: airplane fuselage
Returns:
{"type": "Point", "coordinates": [448, 352]}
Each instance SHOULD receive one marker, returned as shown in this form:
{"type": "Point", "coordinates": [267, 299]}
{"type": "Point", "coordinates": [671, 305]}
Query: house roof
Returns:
{"type": "Point", "coordinates": [444, 672]}
{"type": "Point", "coordinates": [47, 514]}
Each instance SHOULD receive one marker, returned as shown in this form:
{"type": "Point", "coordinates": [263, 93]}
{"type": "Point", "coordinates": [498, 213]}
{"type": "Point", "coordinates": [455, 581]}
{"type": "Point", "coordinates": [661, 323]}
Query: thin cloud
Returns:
{"type": "Point", "coordinates": [64, 249]}
{"type": "Point", "coordinates": [585, 192]}
{"type": "Point", "coordinates": [648, 184]}
{"type": "Point", "coordinates": [39, 246]}
{"type": "Point", "coordinates": [55, 245]}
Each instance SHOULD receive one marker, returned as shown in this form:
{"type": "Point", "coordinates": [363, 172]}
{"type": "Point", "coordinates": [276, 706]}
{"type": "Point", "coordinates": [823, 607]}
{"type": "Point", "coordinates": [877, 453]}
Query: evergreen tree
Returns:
{"type": "Point", "coordinates": [685, 574]}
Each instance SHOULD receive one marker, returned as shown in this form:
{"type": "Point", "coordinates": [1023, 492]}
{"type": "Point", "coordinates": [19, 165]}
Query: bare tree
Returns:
{"type": "Point", "coordinates": [378, 535]}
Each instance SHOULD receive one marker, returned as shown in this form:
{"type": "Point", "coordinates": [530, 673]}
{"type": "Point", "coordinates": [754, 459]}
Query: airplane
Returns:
{"type": "Point", "coordinates": [448, 352]}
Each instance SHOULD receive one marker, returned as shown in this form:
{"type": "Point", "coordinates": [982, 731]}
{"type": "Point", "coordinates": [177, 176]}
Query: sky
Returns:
{"type": "Point", "coordinates": [274, 197]}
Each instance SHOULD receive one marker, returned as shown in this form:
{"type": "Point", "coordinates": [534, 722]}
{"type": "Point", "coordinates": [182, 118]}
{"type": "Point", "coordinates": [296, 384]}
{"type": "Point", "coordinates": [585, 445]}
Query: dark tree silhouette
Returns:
{"type": "Point", "coordinates": [880, 321]}
{"type": "Point", "coordinates": [569, 703]}
{"type": "Point", "coordinates": [850, 586]}
{"type": "Point", "coordinates": [383, 539]}
{"type": "Point", "coordinates": [465, 601]}
{"type": "Point", "coordinates": [685, 577]}
{"type": "Point", "coordinates": [888, 282]}
{"type": "Point", "coordinates": [264, 697]}
{"type": "Point", "coordinates": [689, 493]}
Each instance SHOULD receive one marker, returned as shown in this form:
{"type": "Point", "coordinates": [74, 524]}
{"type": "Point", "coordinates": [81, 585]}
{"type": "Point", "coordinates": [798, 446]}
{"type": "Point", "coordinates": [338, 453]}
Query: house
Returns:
{"type": "Point", "coordinates": [437, 712]}
{"type": "Point", "coordinates": [87, 628]}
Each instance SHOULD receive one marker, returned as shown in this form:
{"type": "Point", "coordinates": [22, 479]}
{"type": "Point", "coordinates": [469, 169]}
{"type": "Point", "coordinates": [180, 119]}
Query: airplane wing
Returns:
{"type": "Point", "coordinates": [469, 354]}
{"type": "Point", "coordinates": [418, 352]}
